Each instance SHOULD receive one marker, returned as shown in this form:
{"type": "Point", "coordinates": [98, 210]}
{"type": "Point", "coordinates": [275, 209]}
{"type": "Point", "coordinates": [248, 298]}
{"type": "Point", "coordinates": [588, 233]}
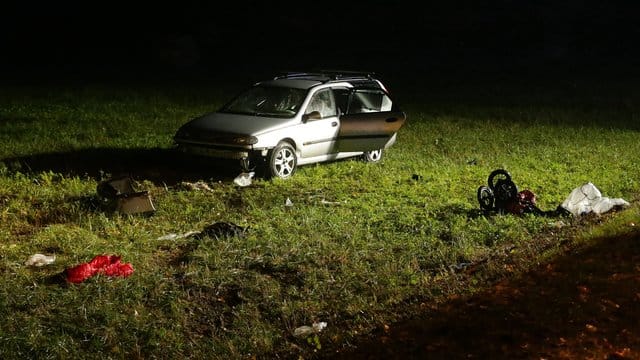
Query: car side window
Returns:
{"type": "Point", "coordinates": [364, 101]}
{"type": "Point", "coordinates": [323, 102]}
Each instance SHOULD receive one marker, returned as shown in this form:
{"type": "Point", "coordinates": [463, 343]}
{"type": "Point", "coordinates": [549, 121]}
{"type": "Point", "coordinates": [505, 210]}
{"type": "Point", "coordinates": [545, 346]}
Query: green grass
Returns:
{"type": "Point", "coordinates": [383, 243]}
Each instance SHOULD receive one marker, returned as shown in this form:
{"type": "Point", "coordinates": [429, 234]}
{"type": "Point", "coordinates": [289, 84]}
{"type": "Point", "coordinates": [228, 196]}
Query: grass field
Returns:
{"type": "Point", "coordinates": [363, 244]}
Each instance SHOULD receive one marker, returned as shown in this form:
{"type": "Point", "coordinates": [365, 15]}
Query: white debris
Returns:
{"type": "Point", "coordinates": [288, 202]}
{"type": "Point", "coordinates": [325, 202]}
{"type": "Point", "coordinates": [319, 326]}
{"type": "Point", "coordinates": [40, 260]}
{"type": "Point", "coordinates": [307, 330]}
{"type": "Point", "coordinates": [558, 224]}
{"type": "Point", "coordinates": [587, 198]}
{"type": "Point", "coordinates": [198, 186]}
{"type": "Point", "coordinates": [244, 179]}
{"type": "Point", "coordinates": [173, 236]}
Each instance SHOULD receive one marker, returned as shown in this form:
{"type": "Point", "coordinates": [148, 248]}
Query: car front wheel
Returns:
{"type": "Point", "coordinates": [282, 161]}
{"type": "Point", "coordinates": [372, 156]}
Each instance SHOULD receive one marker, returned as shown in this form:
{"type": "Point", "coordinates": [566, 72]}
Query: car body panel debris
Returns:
{"type": "Point", "coordinates": [119, 195]}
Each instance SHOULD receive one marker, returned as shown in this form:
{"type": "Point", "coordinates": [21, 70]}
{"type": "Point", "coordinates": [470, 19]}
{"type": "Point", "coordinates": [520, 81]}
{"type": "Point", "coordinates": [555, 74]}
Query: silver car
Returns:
{"type": "Point", "coordinates": [297, 119]}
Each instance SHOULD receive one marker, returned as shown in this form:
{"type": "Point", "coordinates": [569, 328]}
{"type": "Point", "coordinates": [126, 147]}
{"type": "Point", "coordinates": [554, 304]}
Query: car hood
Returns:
{"type": "Point", "coordinates": [235, 124]}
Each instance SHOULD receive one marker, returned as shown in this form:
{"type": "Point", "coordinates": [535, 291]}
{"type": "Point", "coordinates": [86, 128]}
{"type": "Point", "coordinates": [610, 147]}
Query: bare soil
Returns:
{"type": "Point", "coordinates": [584, 304]}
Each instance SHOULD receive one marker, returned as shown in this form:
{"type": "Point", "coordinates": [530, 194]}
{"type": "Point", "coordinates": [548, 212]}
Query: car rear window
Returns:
{"type": "Point", "coordinates": [363, 101]}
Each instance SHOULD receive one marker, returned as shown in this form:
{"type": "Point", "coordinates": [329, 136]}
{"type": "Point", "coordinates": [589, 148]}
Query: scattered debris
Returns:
{"type": "Point", "coordinates": [173, 236]}
{"type": "Point", "coordinates": [587, 198]}
{"type": "Point", "coordinates": [288, 202]}
{"type": "Point", "coordinates": [108, 265]}
{"type": "Point", "coordinates": [558, 224]}
{"type": "Point", "coordinates": [216, 230]}
{"type": "Point", "coordinates": [468, 267]}
{"type": "Point", "coordinates": [460, 266]}
{"type": "Point", "coordinates": [40, 260]}
{"type": "Point", "coordinates": [119, 195]}
{"type": "Point", "coordinates": [222, 229]}
{"type": "Point", "coordinates": [307, 330]}
{"type": "Point", "coordinates": [325, 202]}
{"type": "Point", "coordinates": [197, 186]}
{"type": "Point", "coordinates": [244, 179]}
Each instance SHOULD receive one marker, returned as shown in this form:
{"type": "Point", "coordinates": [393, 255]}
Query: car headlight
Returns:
{"type": "Point", "coordinates": [245, 140]}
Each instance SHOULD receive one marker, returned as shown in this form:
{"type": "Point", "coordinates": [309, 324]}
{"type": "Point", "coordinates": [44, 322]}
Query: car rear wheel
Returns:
{"type": "Point", "coordinates": [372, 155]}
{"type": "Point", "coordinates": [282, 161]}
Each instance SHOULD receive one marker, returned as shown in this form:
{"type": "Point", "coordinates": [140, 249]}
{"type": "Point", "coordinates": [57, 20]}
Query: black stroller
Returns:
{"type": "Point", "coordinates": [501, 195]}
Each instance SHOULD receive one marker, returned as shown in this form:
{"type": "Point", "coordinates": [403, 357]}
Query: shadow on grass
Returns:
{"type": "Point", "coordinates": [161, 166]}
{"type": "Point", "coordinates": [582, 304]}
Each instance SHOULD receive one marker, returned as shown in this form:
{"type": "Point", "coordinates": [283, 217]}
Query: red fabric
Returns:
{"type": "Point", "coordinates": [80, 273]}
{"type": "Point", "coordinates": [109, 265]}
{"type": "Point", "coordinates": [527, 197]}
{"type": "Point", "coordinates": [523, 201]}
{"type": "Point", "coordinates": [123, 270]}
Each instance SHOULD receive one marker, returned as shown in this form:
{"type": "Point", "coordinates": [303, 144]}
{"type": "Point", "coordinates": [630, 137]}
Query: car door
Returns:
{"type": "Point", "coordinates": [369, 121]}
{"type": "Point", "coordinates": [321, 124]}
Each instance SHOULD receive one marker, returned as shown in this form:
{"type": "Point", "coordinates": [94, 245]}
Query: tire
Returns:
{"type": "Point", "coordinates": [501, 175]}
{"type": "Point", "coordinates": [282, 161]}
{"type": "Point", "coordinates": [485, 198]}
{"type": "Point", "coordinates": [372, 155]}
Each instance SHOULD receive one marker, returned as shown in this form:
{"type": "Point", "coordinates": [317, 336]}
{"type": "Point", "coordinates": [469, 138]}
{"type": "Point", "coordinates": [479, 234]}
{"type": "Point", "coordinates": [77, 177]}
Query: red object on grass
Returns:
{"type": "Point", "coordinates": [521, 203]}
{"type": "Point", "coordinates": [109, 265]}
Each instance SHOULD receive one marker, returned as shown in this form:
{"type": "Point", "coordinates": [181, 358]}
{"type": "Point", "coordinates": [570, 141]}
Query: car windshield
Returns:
{"type": "Point", "coordinates": [272, 101]}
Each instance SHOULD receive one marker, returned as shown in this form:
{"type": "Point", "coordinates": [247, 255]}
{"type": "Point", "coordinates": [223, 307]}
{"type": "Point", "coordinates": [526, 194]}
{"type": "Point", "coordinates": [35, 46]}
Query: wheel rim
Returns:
{"type": "Point", "coordinates": [375, 155]}
{"type": "Point", "coordinates": [284, 163]}
{"type": "Point", "coordinates": [485, 198]}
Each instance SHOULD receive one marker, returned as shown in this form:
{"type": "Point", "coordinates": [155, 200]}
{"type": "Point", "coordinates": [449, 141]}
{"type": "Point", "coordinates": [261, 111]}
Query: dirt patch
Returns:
{"type": "Point", "coordinates": [584, 304]}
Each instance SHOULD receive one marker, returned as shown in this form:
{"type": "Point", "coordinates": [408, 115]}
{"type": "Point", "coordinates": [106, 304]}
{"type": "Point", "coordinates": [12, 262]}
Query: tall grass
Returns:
{"type": "Point", "coordinates": [360, 244]}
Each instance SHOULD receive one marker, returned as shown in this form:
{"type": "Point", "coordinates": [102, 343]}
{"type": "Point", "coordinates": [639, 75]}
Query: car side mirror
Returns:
{"type": "Point", "coordinates": [314, 115]}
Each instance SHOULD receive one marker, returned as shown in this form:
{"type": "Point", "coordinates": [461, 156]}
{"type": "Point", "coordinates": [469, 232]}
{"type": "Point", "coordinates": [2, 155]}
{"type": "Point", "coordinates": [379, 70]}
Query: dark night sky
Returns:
{"type": "Point", "coordinates": [109, 39]}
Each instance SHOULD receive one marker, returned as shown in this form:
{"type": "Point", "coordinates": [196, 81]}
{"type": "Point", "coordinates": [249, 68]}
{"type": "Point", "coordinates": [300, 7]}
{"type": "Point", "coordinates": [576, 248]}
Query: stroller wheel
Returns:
{"type": "Point", "coordinates": [496, 176]}
{"type": "Point", "coordinates": [485, 198]}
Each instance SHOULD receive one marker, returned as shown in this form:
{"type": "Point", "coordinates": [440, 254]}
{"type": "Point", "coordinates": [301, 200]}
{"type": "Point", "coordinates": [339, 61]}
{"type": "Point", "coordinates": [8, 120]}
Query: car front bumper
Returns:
{"type": "Point", "coordinates": [221, 153]}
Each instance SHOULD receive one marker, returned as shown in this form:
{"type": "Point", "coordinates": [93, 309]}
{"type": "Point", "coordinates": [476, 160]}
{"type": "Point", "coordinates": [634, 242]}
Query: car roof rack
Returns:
{"type": "Point", "coordinates": [331, 75]}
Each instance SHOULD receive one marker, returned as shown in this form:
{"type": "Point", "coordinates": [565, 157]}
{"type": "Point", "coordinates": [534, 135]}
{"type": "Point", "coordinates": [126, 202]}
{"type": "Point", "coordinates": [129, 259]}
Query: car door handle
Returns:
{"type": "Point", "coordinates": [391, 119]}
{"type": "Point", "coordinates": [334, 123]}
